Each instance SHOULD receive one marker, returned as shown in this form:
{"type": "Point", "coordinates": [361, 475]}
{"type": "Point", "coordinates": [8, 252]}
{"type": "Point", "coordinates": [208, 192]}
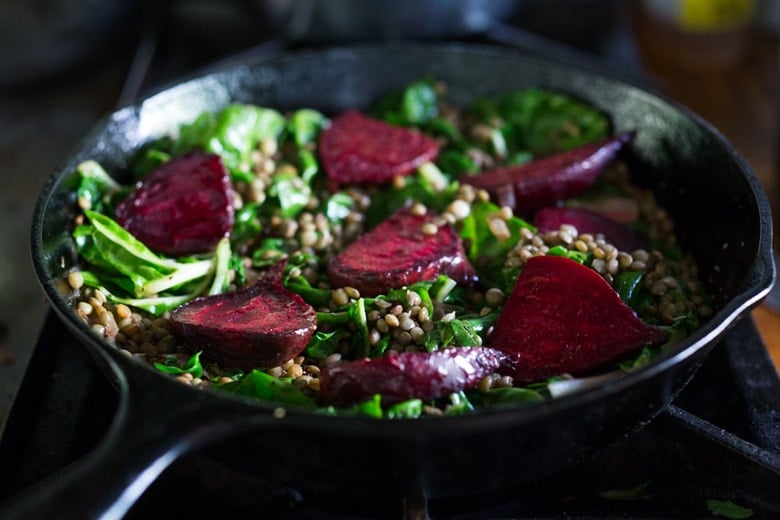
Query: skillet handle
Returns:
{"type": "Point", "coordinates": [149, 432]}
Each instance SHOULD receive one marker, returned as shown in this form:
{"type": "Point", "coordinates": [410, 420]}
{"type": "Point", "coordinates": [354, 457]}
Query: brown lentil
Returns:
{"type": "Point", "coordinates": [392, 320]}
{"type": "Point", "coordinates": [430, 229]}
{"type": "Point", "coordinates": [407, 321]}
{"type": "Point", "coordinates": [498, 228]}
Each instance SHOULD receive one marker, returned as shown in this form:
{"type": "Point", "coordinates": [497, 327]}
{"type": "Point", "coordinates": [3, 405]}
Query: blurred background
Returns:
{"type": "Point", "coordinates": [65, 64]}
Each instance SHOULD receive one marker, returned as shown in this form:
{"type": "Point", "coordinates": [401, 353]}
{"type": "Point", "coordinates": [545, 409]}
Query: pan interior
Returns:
{"type": "Point", "coordinates": [720, 210]}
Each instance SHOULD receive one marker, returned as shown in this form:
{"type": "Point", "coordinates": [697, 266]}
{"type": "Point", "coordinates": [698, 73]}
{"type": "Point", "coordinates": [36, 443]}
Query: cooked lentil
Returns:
{"type": "Point", "coordinates": [405, 322]}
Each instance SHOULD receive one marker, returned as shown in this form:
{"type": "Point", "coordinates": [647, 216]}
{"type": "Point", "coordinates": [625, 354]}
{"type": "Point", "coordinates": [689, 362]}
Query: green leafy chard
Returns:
{"type": "Point", "coordinates": [233, 133]}
{"type": "Point", "coordinates": [411, 409]}
{"type": "Point", "coordinates": [511, 396]}
{"type": "Point", "coordinates": [96, 189]}
{"type": "Point", "coordinates": [417, 104]}
{"type": "Point", "coordinates": [127, 264]}
{"type": "Point", "coordinates": [171, 366]}
{"type": "Point", "coordinates": [487, 252]}
{"type": "Point", "coordinates": [292, 193]}
{"type": "Point", "coordinates": [264, 386]}
{"type": "Point", "coordinates": [728, 509]}
{"type": "Point", "coordinates": [640, 492]}
{"type": "Point", "coordinates": [546, 122]}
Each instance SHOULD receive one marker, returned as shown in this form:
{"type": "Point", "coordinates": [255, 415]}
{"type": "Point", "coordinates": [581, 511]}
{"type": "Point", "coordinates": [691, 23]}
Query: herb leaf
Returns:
{"type": "Point", "coordinates": [192, 366]}
{"type": "Point", "coordinates": [728, 509]}
{"type": "Point", "coordinates": [639, 492]}
{"type": "Point", "coordinates": [265, 386]}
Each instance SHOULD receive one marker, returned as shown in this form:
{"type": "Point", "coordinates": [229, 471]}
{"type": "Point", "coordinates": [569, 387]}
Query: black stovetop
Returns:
{"type": "Point", "coordinates": [720, 440]}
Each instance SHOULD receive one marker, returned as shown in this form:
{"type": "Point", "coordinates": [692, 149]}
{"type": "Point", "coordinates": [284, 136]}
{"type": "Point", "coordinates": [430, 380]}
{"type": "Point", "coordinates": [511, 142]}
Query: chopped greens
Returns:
{"type": "Point", "coordinates": [129, 266]}
{"type": "Point", "coordinates": [268, 388]}
{"type": "Point", "coordinates": [640, 492]}
{"type": "Point", "coordinates": [288, 211]}
{"type": "Point", "coordinates": [232, 133]}
{"type": "Point", "coordinates": [728, 509]}
{"type": "Point", "coordinates": [192, 366]}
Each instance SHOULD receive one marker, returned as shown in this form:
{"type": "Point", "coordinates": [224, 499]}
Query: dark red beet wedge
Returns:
{"type": "Point", "coordinates": [358, 149]}
{"type": "Point", "coordinates": [537, 184]}
{"type": "Point", "coordinates": [624, 210]}
{"type": "Point", "coordinates": [586, 221]}
{"type": "Point", "coordinates": [563, 317]}
{"type": "Point", "coordinates": [261, 326]}
{"type": "Point", "coordinates": [183, 207]}
{"type": "Point", "coordinates": [397, 253]}
{"type": "Point", "coordinates": [407, 375]}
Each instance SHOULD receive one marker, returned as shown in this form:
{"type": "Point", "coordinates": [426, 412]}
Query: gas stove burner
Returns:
{"type": "Point", "coordinates": [719, 441]}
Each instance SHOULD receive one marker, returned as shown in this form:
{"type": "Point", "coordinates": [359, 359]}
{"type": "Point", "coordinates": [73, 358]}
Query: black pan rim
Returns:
{"type": "Point", "coordinates": [763, 267]}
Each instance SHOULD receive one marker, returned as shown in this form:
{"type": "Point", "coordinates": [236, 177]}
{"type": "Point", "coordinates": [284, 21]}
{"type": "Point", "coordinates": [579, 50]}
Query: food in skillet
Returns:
{"type": "Point", "coordinates": [415, 259]}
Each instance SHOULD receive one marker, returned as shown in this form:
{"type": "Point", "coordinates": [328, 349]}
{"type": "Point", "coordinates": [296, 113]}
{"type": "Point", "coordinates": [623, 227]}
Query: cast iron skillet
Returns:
{"type": "Point", "coordinates": [723, 219]}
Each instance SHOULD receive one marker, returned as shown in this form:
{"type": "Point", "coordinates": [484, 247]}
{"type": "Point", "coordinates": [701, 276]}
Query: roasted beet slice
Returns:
{"type": "Point", "coordinates": [260, 326]}
{"type": "Point", "coordinates": [358, 149]}
{"type": "Point", "coordinates": [183, 207]}
{"type": "Point", "coordinates": [398, 252]}
{"type": "Point", "coordinates": [530, 186]}
{"type": "Point", "coordinates": [621, 209]}
{"type": "Point", "coordinates": [563, 317]}
{"type": "Point", "coordinates": [407, 375]}
{"type": "Point", "coordinates": [586, 221]}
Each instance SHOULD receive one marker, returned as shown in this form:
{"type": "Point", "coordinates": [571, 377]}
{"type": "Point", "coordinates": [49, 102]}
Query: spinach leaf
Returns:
{"type": "Point", "coordinates": [247, 223]}
{"type": "Point", "coordinates": [639, 492]}
{"type": "Point", "coordinates": [96, 189]}
{"type": "Point", "coordinates": [410, 409]}
{"type": "Point", "coordinates": [305, 126]}
{"type": "Point", "coordinates": [267, 387]}
{"type": "Point", "coordinates": [150, 156]}
{"type": "Point", "coordinates": [314, 296]}
{"type": "Point", "coordinates": [269, 252]}
{"type": "Point", "coordinates": [728, 509]}
{"type": "Point", "coordinates": [233, 133]}
{"type": "Point", "coordinates": [454, 332]}
{"type": "Point", "coordinates": [426, 189]}
{"type": "Point", "coordinates": [370, 408]}
{"type": "Point", "coordinates": [192, 366]}
{"type": "Point", "coordinates": [323, 344]}
{"type": "Point", "coordinates": [361, 345]}
{"type": "Point", "coordinates": [414, 105]}
{"type": "Point", "coordinates": [291, 191]}
{"type": "Point", "coordinates": [456, 162]}
{"type": "Point", "coordinates": [338, 206]}
{"type": "Point", "coordinates": [459, 404]}
{"type": "Point", "coordinates": [645, 356]}
{"type": "Point", "coordinates": [546, 122]}
{"type": "Point", "coordinates": [577, 256]}
{"type": "Point", "coordinates": [486, 252]}
{"type": "Point", "coordinates": [628, 285]}
{"type": "Point", "coordinates": [511, 395]}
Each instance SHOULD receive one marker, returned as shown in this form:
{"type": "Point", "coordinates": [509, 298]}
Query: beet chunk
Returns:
{"type": "Point", "coordinates": [563, 317]}
{"type": "Point", "coordinates": [183, 207]}
{"type": "Point", "coordinates": [397, 253]}
{"type": "Point", "coordinates": [586, 221]}
{"type": "Point", "coordinates": [358, 149]}
{"type": "Point", "coordinates": [530, 186]}
{"type": "Point", "coordinates": [260, 326]}
{"type": "Point", "coordinates": [407, 375]}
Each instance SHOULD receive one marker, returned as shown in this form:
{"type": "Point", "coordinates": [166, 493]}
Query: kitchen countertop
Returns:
{"type": "Point", "coordinates": [40, 124]}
